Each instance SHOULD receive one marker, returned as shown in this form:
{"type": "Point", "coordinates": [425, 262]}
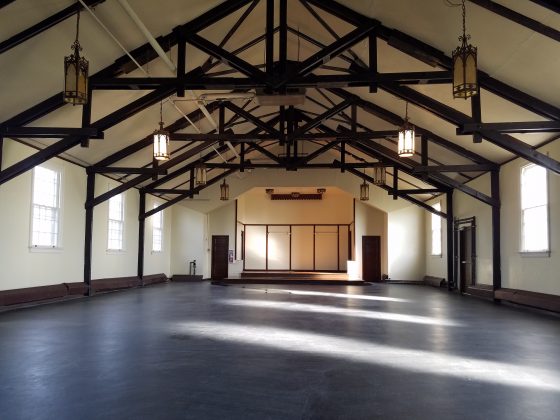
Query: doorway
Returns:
{"type": "Point", "coordinates": [465, 253]}
{"type": "Point", "coordinates": [371, 258]}
{"type": "Point", "coordinates": [220, 247]}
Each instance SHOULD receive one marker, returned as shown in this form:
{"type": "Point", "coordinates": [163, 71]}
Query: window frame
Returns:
{"type": "Point", "coordinates": [122, 221]}
{"type": "Point", "coordinates": [161, 228]}
{"type": "Point", "coordinates": [432, 232]}
{"type": "Point", "coordinates": [58, 246]}
{"type": "Point", "coordinates": [536, 253]}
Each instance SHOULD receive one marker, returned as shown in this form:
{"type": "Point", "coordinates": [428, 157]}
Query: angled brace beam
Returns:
{"type": "Point", "coordinates": [189, 193]}
{"type": "Point", "coordinates": [511, 127]}
{"type": "Point", "coordinates": [139, 179]}
{"type": "Point", "coordinates": [166, 191]}
{"type": "Point", "coordinates": [321, 150]}
{"type": "Point", "coordinates": [327, 53]}
{"type": "Point", "coordinates": [549, 4]}
{"type": "Point", "coordinates": [251, 118]}
{"type": "Point", "coordinates": [324, 116]}
{"type": "Point", "coordinates": [147, 141]}
{"type": "Point", "coordinates": [392, 118]}
{"type": "Point", "coordinates": [226, 57]}
{"type": "Point", "coordinates": [268, 154]}
{"type": "Point", "coordinates": [454, 168]}
{"type": "Point", "coordinates": [405, 197]}
{"type": "Point", "coordinates": [442, 181]}
{"type": "Point", "coordinates": [453, 116]}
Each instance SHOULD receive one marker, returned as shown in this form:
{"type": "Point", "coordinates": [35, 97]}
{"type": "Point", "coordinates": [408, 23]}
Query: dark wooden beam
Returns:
{"type": "Point", "coordinates": [251, 118]}
{"type": "Point", "coordinates": [141, 236]}
{"type": "Point", "coordinates": [142, 178]}
{"type": "Point", "coordinates": [50, 132]}
{"type": "Point", "coordinates": [455, 168]}
{"type": "Point", "coordinates": [326, 54]}
{"type": "Point", "coordinates": [128, 171]}
{"type": "Point", "coordinates": [417, 191]}
{"type": "Point", "coordinates": [181, 60]}
{"type": "Point", "coordinates": [283, 37]}
{"type": "Point", "coordinates": [496, 229]}
{"type": "Point", "coordinates": [516, 17]}
{"type": "Point", "coordinates": [45, 24]}
{"type": "Point", "coordinates": [88, 240]}
{"type": "Point", "coordinates": [405, 197]}
{"type": "Point", "coordinates": [190, 193]}
{"type": "Point", "coordinates": [451, 281]}
{"type": "Point", "coordinates": [323, 117]}
{"type": "Point", "coordinates": [269, 38]}
{"type": "Point", "coordinates": [457, 118]}
{"type": "Point", "coordinates": [511, 127]}
{"type": "Point", "coordinates": [549, 4]}
{"type": "Point", "coordinates": [166, 191]}
{"type": "Point", "coordinates": [226, 57]}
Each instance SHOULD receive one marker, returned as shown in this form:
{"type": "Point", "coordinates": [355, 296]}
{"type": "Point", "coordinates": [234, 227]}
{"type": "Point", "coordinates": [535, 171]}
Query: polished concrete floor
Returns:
{"type": "Point", "coordinates": [196, 351]}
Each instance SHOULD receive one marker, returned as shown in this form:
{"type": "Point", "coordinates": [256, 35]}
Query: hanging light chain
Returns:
{"type": "Point", "coordinates": [464, 37]}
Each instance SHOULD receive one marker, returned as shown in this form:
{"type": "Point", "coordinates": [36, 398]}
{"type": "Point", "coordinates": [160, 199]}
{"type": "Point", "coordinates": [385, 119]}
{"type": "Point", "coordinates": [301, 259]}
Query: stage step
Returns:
{"type": "Point", "coordinates": [308, 275]}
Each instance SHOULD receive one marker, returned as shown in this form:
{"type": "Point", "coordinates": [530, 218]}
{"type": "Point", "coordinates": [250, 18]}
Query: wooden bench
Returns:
{"type": "Point", "coordinates": [116, 283]}
{"type": "Point", "coordinates": [32, 294]}
{"type": "Point", "coordinates": [434, 281]}
{"type": "Point", "coordinates": [533, 299]}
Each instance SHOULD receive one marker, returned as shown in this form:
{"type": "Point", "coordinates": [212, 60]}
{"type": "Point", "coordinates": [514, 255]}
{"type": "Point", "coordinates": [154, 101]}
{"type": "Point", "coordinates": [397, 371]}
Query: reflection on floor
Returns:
{"type": "Point", "coordinates": [207, 352]}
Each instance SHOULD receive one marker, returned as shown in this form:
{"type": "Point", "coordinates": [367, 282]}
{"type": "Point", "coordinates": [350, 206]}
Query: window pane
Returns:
{"type": "Point", "coordinates": [45, 210]}
{"type": "Point", "coordinates": [45, 187]}
{"type": "Point", "coordinates": [533, 186]}
{"type": "Point", "coordinates": [116, 208]}
{"type": "Point", "coordinates": [115, 235]}
{"type": "Point", "coordinates": [436, 242]}
{"type": "Point", "coordinates": [535, 229]}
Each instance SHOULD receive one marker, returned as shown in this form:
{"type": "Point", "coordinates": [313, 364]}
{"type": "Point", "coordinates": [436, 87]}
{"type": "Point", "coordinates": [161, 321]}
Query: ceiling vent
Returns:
{"type": "Point", "coordinates": [291, 97]}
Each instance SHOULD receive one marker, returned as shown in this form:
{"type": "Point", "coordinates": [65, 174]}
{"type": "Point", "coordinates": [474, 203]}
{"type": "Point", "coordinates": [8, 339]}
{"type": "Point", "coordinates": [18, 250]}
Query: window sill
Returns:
{"type": "Point", "coordinates": [157, 252]}
{"type": "Point", "coordinates": [46, 249]}
{"type": "Point", "coordinates": [116, 251]}
{"type": "Point", "coordinates": [436, 255]}
{"type": "Point", "coordinates": [534, 254]}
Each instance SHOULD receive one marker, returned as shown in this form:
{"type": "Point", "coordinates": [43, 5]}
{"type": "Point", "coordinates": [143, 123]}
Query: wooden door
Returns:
{"type": "Point", "coordinates": [220, 246]}
{"type": "Point", "coordinates": [466, 263]}
{"type": "Point", "coordinates": [371, 258]}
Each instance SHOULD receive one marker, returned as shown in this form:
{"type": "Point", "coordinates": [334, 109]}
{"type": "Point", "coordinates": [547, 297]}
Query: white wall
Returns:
{"type": "Point", "coordinates": [537, 274]}
{"type": "Point", "coordinates": [406, 246]}
{"type": "Point", "coordinates": [188, 240]}
{"type": "Point", "coordinates": [20, 267]}
{"type": "Point", "coordinates": [370, 221]}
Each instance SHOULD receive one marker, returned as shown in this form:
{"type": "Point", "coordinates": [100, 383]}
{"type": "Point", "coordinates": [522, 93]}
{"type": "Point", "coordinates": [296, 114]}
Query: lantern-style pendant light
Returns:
{"type": "Point", "coordinates": [161, 139]}
{"type": "Point", "coordinates": [364, 191]}
{"type": "Point", "coordinates": [465, 82]}
{"type": "Point", "coordinates": [379, 175]}
{"type": "Point", "coordinates": [200, 174]}
{"type": "Point", "coordinates": [76, 73]}
{"type": "Point", "coordinates": [406, 137]}
{"type": "Point", "coordinates": [224, 191]}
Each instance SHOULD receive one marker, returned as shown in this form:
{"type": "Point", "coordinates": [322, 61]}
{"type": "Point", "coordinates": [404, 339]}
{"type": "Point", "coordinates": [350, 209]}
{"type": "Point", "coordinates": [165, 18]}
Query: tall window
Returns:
{"type": "Point", "coordinates": [436, 231]}
{"type": "Point", "coordinates": [534, 209]}
{"type": "Point", "coordinates": [157, 231]}
{"type": "Point", "coordinates": [46, 208]}
{"type": "Point", "coordinates": [116, 223]}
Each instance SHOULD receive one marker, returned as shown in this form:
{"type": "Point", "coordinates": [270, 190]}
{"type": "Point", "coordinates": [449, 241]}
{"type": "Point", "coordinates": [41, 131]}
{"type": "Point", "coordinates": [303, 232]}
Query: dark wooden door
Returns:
{"type": "Point", "coordinates": [220, 246]}
{"type": "Point", "coordinates": [466, 263]}
{"type": "Point", "coordinates": [371, 258]}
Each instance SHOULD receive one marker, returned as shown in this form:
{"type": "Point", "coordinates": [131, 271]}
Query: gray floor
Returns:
{"type": "Point", "coordinates": [209, 352]}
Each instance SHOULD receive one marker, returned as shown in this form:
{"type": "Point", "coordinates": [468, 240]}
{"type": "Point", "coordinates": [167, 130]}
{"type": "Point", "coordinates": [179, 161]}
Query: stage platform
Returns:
{"type": "Point", "coordinates": [292, 277]}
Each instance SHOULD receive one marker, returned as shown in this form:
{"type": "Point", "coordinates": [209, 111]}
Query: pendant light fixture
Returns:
{"type": "Point", "coordinates": [224, 191]}
{"type": "Point", "coordinates": [364, 191]}
{"type": "Point", "coordinates": [406, 137]}
{"type": "Point", "coordinates": [465, 82]}
{"type": "Point", "coordinates": [379, 175]}
{"type": "Point", "coordinates": [161, 139]}
{"type": "Point", "coordinates": [76, 73]}
{"type": "Point", "coordinates": [200, 174]}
